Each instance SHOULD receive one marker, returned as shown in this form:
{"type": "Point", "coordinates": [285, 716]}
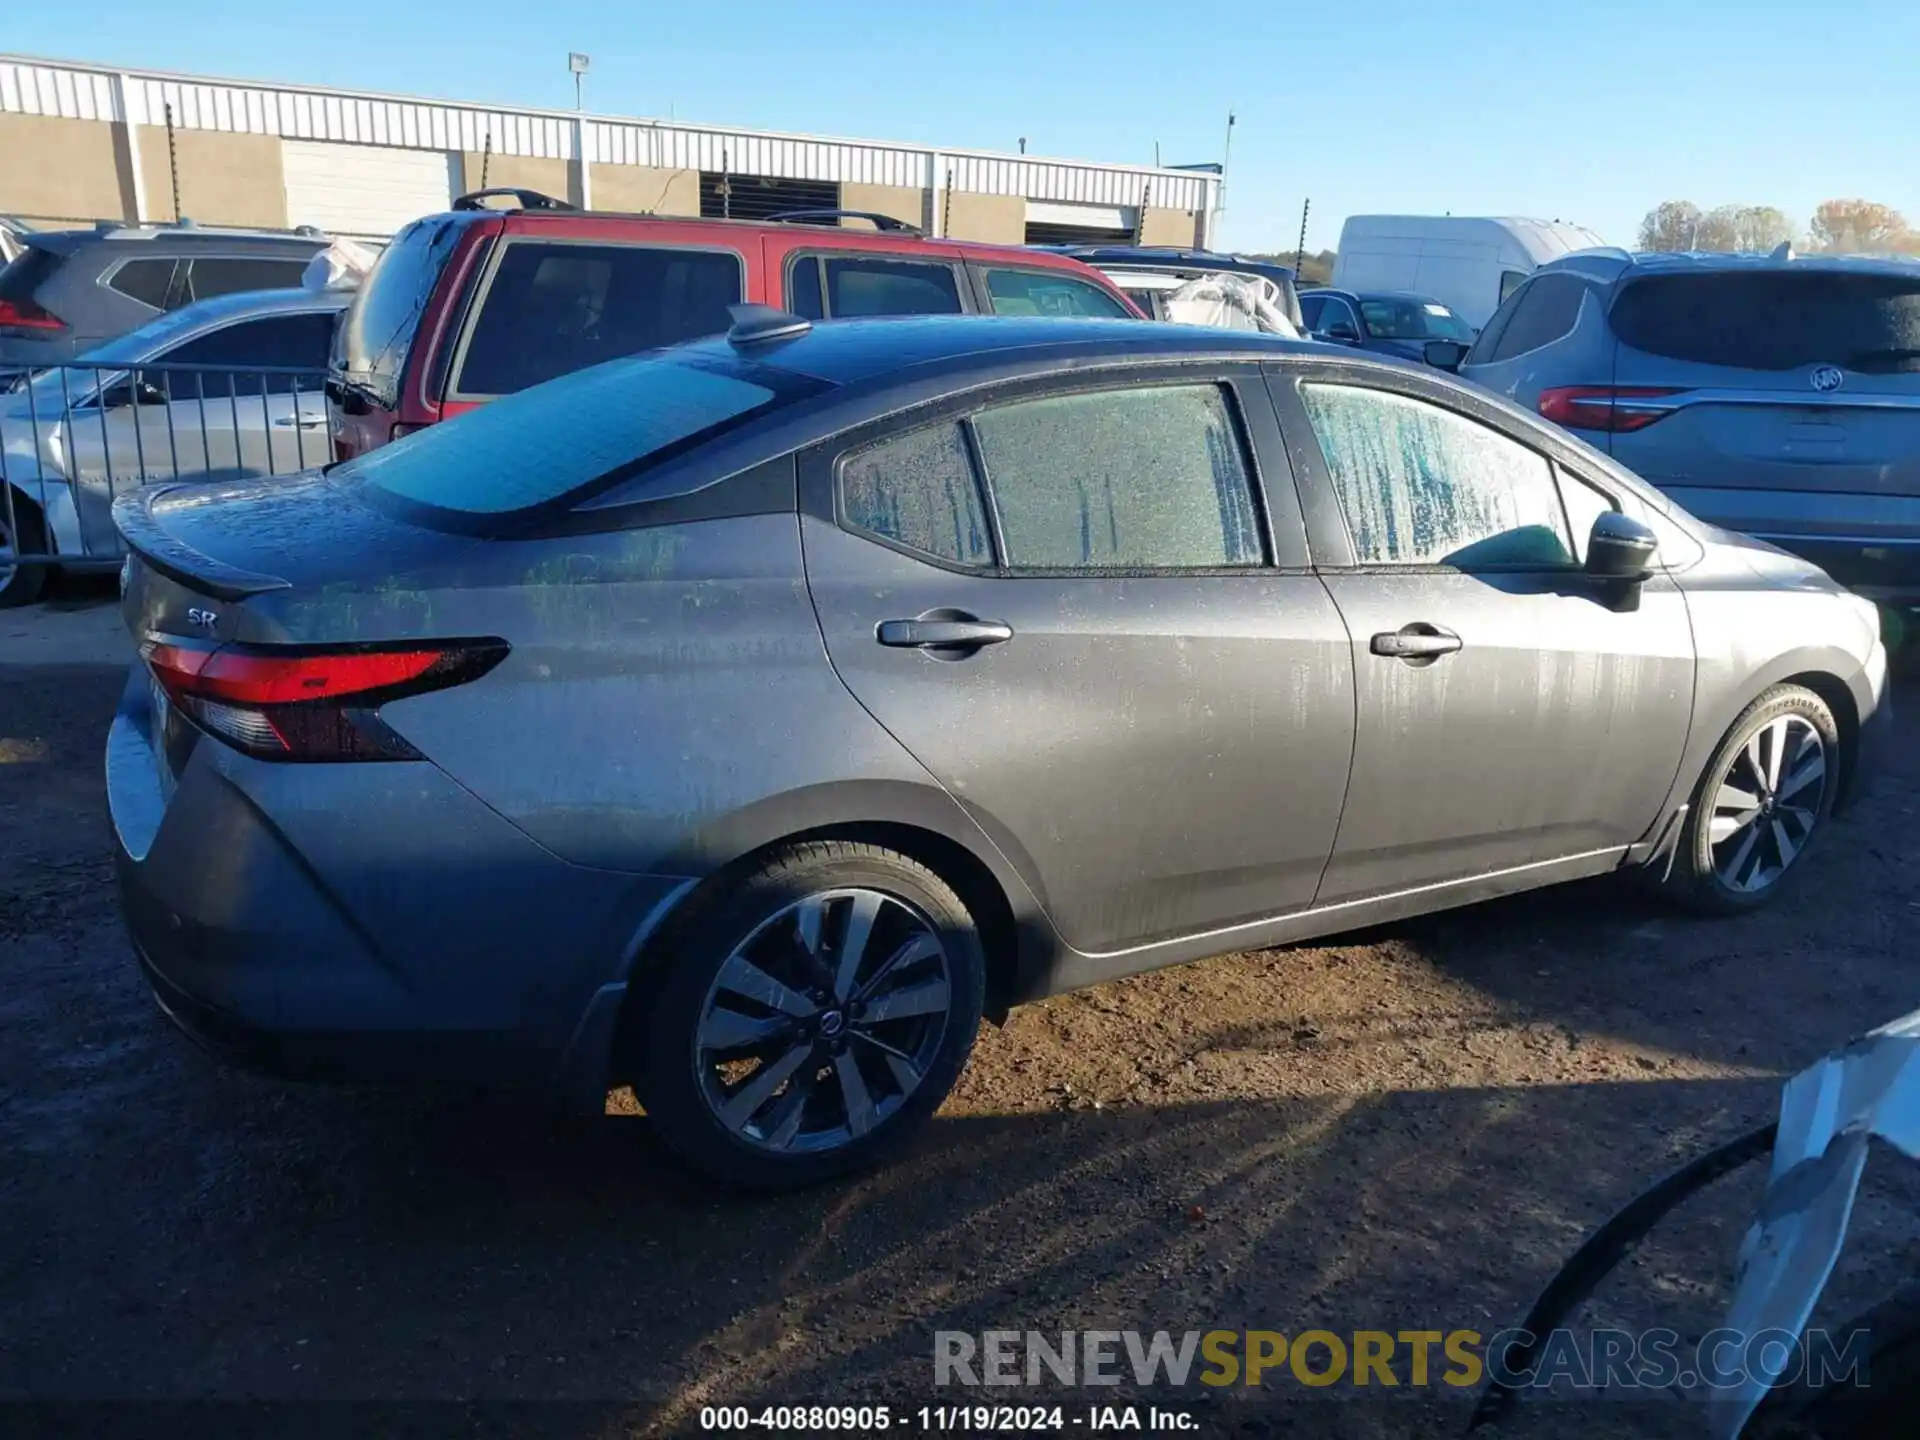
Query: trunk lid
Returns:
{"type": "Point", "coordinates": [267, 561]}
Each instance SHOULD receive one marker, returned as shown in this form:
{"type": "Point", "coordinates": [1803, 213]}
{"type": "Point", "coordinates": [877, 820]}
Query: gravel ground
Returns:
{"type": "Point", "coordinates": [1411, 1129]}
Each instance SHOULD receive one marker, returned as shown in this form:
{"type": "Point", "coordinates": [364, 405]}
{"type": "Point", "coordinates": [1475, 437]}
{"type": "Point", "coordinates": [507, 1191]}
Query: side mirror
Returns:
{"type": "Point", "coordinates": [1621, 548]}
{"type": "Point", "coordinates": [1342, 334]}
{"type": "Point", "coordinates": [1445, 354]}
{"type": "Point", "coordinates": [131, 392]}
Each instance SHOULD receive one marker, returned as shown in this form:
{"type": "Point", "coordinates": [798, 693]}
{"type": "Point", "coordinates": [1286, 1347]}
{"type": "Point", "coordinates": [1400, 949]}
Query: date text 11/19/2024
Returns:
{"type": "Point", "coordinates": [950, 1419]}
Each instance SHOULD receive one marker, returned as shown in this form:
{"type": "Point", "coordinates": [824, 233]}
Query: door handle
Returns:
{"type": "Point", "coordinates": [305, 422]}
{"type": "Point", "coordinates": [1416, 642]}
{"type": "Point", "coordinates": [943, 634]}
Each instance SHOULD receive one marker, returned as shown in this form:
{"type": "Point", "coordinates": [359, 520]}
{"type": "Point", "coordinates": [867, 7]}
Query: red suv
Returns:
{"type": "Point", "coordinates": [481, 302]}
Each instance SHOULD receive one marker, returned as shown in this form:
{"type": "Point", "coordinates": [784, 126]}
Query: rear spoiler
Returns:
{"type": "Point", "coordinates": [174, 558]}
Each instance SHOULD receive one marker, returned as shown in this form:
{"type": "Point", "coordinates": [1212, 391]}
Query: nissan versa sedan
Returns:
{"type": "Point", "coordinates": [744, 720]}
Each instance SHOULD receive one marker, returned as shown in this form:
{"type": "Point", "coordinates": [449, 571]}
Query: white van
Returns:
{"type": "Point", "coordinates": [1471, 263]}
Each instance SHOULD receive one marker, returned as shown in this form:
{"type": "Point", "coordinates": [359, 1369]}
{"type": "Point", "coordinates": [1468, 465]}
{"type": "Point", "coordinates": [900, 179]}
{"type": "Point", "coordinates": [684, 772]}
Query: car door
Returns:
{"type": "Point", "coordinates": [1069, 604]}
{"type": "Point", "coordinates": [246, 399]}
{"type": "Point", "coordinates": [1509, 713]}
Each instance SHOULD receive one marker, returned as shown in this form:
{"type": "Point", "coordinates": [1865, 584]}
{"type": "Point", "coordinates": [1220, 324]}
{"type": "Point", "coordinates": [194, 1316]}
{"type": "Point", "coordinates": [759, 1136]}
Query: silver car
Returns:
{"type": "Point", "coordinates": [224, 389]}
{"type": "Point", "coordinates": [1777, 395]}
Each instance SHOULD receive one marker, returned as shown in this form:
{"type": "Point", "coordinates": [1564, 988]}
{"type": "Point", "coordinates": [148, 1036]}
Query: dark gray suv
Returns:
{"type": "Point", "coordinates": [742, 720]}
{"type": "Point", "coordinates": [70, 290]}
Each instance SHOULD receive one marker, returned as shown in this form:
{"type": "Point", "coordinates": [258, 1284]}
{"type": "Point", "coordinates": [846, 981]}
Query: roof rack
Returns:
{"type": "Point", "coordinates": [880, 222]}
{"type": "Point", "coordinates": [761, 324]}
{"type": "Point", "coordinates": [529, 199]}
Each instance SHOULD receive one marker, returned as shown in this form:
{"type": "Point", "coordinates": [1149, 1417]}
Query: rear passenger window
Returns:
{"type": "Point", "coordinates": [919, 491]}
{"type": "Point", "coordinates": [553, 309]}
{"type": "Point", "coordinates": [144, 280]}
{"type": "Point", "coordinates": [1546, 310]}
{"type": "Point", "coordinates": [1039, 292]}
{"type": "Point", "coordinates": [234, 358]}
{"type": "Point", "coordinates": [1421, 485]}
{"type": "Point", "coordinates": [208, 278]}
{"type": "Point", "coordinates": [1149, 478]}
{"type": "Point", "coordinates": [861, 286]}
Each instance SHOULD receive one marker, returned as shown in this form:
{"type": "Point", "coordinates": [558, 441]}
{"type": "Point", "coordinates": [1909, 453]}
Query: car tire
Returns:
{"type": "Point", "coordinates": [749, 1088]}
{"type": "Point", "coordinates": [22, 584]}
{"type": "Point", "coordinates": [1732, 858]}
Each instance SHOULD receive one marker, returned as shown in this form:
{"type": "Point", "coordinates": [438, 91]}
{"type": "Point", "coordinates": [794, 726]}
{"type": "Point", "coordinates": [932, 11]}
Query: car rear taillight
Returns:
{"type": "Point", "coordinates": [306, 703]}
{"type": "Point", "coordinates": [25, 315]}
{"type": "Point", "coordinates": [1614, 408]}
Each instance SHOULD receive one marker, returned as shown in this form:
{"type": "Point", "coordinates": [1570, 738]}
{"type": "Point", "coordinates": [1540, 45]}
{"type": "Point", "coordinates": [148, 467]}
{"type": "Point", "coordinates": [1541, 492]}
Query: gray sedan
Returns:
{"type": "Point", "coordinates": [742, 721]}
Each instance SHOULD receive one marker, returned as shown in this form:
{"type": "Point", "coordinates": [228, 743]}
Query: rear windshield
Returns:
{"type": "Point", "coordinates": [554, 308]}
{"type": "Point", "coordinates": [20, 277]}
{"type": "Point", "coordinates": [1775, 321]}
{"type": "Point", "coordinates": [536, 447]}
{"type": "Point", "coordinates": [373, 340]}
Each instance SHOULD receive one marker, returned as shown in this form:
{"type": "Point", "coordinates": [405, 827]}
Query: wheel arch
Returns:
{"type": "Point", "coordinates": [921, 822]}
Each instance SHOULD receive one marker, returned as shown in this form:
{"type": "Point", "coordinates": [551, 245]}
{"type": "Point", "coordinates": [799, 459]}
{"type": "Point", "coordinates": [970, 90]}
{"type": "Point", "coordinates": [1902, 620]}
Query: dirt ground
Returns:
{"type": "Point", "coordinates": [1411, 1129]}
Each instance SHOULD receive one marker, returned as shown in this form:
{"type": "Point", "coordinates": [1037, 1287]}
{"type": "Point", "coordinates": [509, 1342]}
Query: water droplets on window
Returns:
{"type": "Point", "coordinates": [919, 491]}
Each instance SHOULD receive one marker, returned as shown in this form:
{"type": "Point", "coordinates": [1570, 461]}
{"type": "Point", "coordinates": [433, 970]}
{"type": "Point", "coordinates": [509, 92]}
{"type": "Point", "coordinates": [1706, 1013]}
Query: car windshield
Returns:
{"type": "Point", "coordinates": [1397, 319]}
{"type": "Point", "coordinates": [549, 441]}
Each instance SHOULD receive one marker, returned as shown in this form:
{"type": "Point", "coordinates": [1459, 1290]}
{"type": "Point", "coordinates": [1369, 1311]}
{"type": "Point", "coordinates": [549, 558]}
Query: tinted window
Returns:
{"type": "Point", "coordinates": [144, 280]}
{"type": "Point", "coordinates": [379, 326]}
{"type": "Point", "coordinates": [803, 289]}
{"type": "Point", "coordinates": [1413, 320]}
{"type": "Point", "coordinates": [1310, 306]}
{"type": "Point", "coordinates": [233, 358]}
{"type": "Point", "coordinates": [887, 287]}
{"type": "Point", "coordinates": [1546, 310]}
{"type": "Point", "coordinates": [1150, 478]}
{"type": "Point", "coordinates": [27, 274]}
{"type": "Point", "coordinates": [1147, 304]}
{"type": "Point", "coordinates": [503, 457]}
{"type": "Point", "coordinates": [1584, 505]}
{"type": "Point", "coordinates": [553, 309]}
{"type": "Point", "coordinates": [1041, 292]}
{"type": "Point", "coordinates": [1489, 338]}
{"type": "Point", "coordinates": [1424, 486]}
{"type": "Point", "coordinates": [1773, 320]}
{"type": "Point", "coordinates": [208, 278]}
{"type": "Point", "coordinates": [1510, 281]}
{"type": "Point", "coordinates": [919, 491]}
{"type": "Point", "coordinates": [1337, 312]}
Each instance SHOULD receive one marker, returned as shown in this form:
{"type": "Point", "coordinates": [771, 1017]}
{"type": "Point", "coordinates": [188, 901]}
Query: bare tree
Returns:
{"type": "Point", "coordinates": [1760, 227]}
{"type": "Point", "coordinates": [1743, 227]}
{"type": "Point", "coordinates": [1671, 225]}
{"type": "Point", "coordinates": [1861, 225]}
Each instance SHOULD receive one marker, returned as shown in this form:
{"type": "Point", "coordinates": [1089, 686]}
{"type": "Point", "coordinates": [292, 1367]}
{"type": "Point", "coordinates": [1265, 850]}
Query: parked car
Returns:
{"type": "Point", "coordinates": [1390, 321]}
{"type": "Point", "coordinates": [706, 721]}
{"type": "Point", "coordinates": [478, 303]}
{"type": "Point", "coordinates": [215, 391]}
{"type": "Point", "coordinates": [1777, 395]}
{"type": "Point", "coordinates": [1148, 272]}
{"type": "Point", "coordinates": [71, 290]}
{"type": "Point", "coordinates": [1470, 263]}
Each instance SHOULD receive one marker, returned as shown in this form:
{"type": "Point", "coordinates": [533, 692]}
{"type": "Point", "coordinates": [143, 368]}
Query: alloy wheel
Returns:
{"type": "Point", "coordinates": [1768, 803]}
{"type": "Point", "coordinates": [7, 567]}
{"type": "Point", "coordinates": [823, 1021]}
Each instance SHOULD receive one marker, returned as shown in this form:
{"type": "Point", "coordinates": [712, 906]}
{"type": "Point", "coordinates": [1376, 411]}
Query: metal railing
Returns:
{"type": "Point", "coordinates": [81, 434]}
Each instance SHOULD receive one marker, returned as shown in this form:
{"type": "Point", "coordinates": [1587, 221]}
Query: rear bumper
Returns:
{"type": "Point", "coordinates": [364, 923]}
{"type": "Point", "coordinates": [1869, 543]}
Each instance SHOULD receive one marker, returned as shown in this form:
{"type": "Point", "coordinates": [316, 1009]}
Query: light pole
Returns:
{"type": "Point", "coordinates": [577, 63]}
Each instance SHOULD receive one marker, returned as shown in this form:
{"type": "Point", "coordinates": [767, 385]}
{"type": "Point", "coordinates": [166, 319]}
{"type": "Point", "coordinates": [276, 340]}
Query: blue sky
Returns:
{"type": "Point", "coordinates": [1585, 113]}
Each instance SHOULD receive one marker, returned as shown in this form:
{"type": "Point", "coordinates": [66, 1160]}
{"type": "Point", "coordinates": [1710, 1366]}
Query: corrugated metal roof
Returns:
{"type": "Point", "coordinates": [97, 92]}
